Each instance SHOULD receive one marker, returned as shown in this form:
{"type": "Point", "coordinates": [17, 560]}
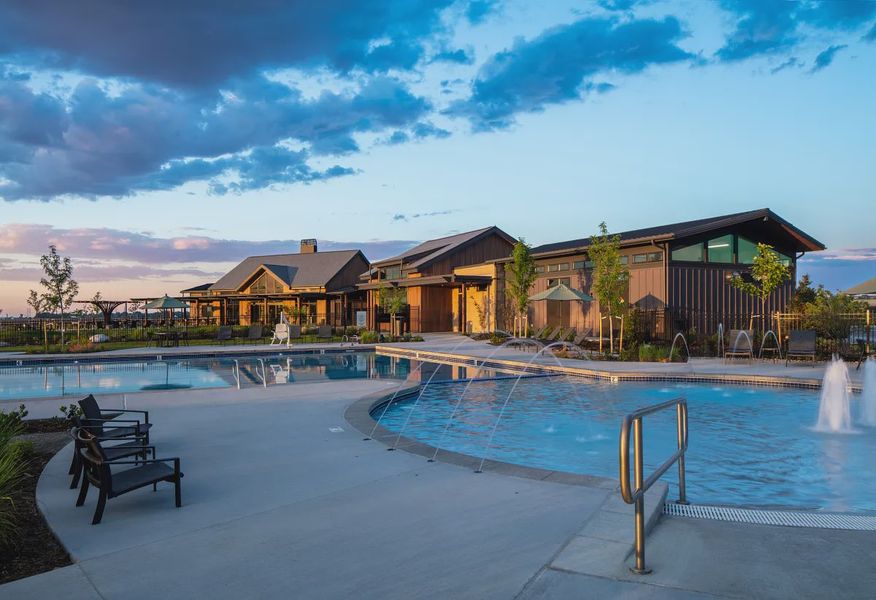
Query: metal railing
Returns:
{"type": "Point", "coordinates": [637, 496]}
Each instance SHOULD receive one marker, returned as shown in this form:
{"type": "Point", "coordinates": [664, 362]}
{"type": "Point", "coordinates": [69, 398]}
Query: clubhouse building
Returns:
{"type": "Point", "coordinates": [679, 276]}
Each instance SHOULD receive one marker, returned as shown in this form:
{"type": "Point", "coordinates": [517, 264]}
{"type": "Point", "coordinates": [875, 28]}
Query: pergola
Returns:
{"type": "Point", "coordinates": [106, 307]}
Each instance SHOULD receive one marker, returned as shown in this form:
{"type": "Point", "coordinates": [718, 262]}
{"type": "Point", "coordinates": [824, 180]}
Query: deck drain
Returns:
{"type": "Point", "coordinates": [783, 518]}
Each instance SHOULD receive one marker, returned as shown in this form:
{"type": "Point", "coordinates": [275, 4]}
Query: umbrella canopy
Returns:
{"type": "Point", "coordinates": [563, 293]}
{"type": "Point", "coordinates": [165, 303]}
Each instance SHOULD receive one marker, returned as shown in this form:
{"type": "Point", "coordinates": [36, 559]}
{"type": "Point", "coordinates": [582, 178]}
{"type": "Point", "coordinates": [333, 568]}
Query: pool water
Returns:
{"type": "Point", "coordinates": [751, 446]}
{"type": "Point", "coordinates": [42, 381]}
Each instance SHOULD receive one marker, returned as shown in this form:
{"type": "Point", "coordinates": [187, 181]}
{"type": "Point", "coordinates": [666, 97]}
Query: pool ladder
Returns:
{"type": "Point", "coordinates": [637, 496]}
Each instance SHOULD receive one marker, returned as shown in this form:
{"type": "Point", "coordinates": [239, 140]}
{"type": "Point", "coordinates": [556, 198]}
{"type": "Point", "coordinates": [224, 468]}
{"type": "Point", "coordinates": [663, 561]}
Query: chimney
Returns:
{"type": "Point", "coordinates": [308, 246]}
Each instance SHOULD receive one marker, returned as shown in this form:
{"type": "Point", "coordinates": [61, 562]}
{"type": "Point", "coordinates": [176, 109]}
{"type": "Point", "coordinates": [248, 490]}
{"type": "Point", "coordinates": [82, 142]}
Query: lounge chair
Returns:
{"type": "Point", "coordinates": [580, 338]}
{"type": "Point", "coordinates": [558, 334]}
{"type": "Point", "coordinates": [223, 334]}
{"type": "Point", "coordinates": [104, 424]}
{"type": "Point", "coordinates": [135, 445]}
{"type": "Point", "coordinates": [99, 473]}
{"type": "Point", "coordinates": [801, 344]}
{"type": "Point", "coordinates": [739, 344]}
{"type": "Point", "coordinates": [256, 333]}
{"type": "Point", "coordinates": [324, 332]}
{"type": "Point", "coordinates": [538, 334]}
{"type": "Point", "coordinates": [294, 332]}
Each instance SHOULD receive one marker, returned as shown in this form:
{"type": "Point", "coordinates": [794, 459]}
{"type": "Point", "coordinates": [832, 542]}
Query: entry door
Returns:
{"type": "Point", "coordinates": [255, 313]}
{"type": "Point", "coordinates": [558, 313]}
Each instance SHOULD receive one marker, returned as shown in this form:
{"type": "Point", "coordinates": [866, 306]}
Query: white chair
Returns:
{"type": "Point", "coordinates": [281, 334]}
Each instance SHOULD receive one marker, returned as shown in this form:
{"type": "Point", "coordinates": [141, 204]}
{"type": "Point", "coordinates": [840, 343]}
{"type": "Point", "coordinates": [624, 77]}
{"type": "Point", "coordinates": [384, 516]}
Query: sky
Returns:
{"type": "Point", "coordinates": [159, 143]}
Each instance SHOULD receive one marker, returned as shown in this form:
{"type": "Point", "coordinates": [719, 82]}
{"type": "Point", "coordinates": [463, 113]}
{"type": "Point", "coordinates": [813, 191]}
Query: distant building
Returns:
{"type": "Point", "coordinates": [447, 281]}
{"type": "Point", "coordinates": [866, 292]}
{"type": "Point", "coordinates": [311, 287]}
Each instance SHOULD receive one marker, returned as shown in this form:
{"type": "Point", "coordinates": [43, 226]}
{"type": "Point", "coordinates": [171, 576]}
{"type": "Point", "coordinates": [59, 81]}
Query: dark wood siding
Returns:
{"type": "Point", "coordinates": [490, 247]}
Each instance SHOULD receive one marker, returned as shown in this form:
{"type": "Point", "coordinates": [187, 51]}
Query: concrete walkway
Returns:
{"type": "Point", "coordinates": [277, 504]}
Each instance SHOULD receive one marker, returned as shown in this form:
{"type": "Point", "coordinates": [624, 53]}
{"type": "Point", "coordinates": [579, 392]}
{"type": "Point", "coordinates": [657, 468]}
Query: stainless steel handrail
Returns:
{"type": "Point", "coordinates": [637, 496]}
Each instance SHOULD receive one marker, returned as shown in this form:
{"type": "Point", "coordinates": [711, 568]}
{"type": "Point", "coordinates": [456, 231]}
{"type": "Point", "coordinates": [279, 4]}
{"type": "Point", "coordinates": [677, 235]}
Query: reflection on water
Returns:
{"type": "Point", "coordinates": [134, 376]}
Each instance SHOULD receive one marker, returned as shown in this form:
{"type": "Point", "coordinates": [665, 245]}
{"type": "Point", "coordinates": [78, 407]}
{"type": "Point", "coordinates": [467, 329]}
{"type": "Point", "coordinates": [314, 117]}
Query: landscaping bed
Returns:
{"type": "Point", "coordinates": [33, 548]}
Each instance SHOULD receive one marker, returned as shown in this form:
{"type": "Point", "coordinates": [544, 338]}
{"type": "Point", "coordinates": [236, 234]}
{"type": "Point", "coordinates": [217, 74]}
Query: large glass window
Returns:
{"type": "Point", "coordinates": [392, 273]}
{"type": "Point", "coordinates": [693, 253]}
{"type": "Point", "coordinates": [721, 249]}
{"type": "Point", "coordinates": [746, 251]}
{"type": "Point", "coordinates": [580, 264]}
{"type": "Point", "coordinates": [567, 281]}
{"type": "Point", "coordinates": [265, 285]}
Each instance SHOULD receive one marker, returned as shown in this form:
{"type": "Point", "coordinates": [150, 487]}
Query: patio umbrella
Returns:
{"type": "Point", "coordinates": [563, 293]}
{"type": "Point", "coordinates": [166, 303]}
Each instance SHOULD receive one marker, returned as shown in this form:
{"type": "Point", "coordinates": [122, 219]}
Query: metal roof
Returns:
{"type": "Point", "coordinates": [868, 287]}
{"type": "Point", "coordinates": [690, 228]}
{"type": "Point", "coordinates": [295, 270]}
{"type": "Point", "coordinates": [430, 250]}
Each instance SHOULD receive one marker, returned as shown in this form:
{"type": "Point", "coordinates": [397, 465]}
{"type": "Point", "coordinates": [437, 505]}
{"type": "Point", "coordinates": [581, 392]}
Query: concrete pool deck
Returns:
{"type": "Point", "coordinates": [278, 503]}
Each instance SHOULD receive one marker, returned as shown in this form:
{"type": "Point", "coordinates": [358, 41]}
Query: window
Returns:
{"type": "Point", "coordinates": [693, 253]}
{"type": "Point", "coordinates": [265, 284]}
{"type": "Point", "coordinates": [539, 269]}
{"type": "Point", "coordinates": [564, 280]}
{"type": "Point", "coordinates": [392, 273]}
{"type": "Point", "coordinates": [580, 264]}
{"type": "Point", "coordinates": [648, 257]}
{"type": "Point", "coordinates": [624, 260]}
{"type": "Point", "coordinates": [558, 267]}
{"type": "Point", "coordinates": [721, 249]}
{"type": "Point", "coordinates": [746, 252]}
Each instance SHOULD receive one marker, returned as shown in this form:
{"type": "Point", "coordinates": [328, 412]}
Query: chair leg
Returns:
{"type": "Point", "coordinates": [76, 476]}
{"type": "Point", "coordinates": [74, 464]}
{"type": "Point", "coordinates": [178, 492]}
{"type": "Point", "coordinates": [98, 512]}
{"type": "Point", "coordinates": [83, 491]}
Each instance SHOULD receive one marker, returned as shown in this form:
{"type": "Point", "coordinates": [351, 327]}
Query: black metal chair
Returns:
{"type": "Point", "coordinates": [740, 344]}
{"type": "Point", "coordinates": [106, 425]}
{"type": "Point", "coordinates": [99, 473]}
{"type": "Point", "coordinates": [124, 447]}
{"type": "Point", "coordinates": [256, 333]}
{"type": "Point", "coordinates": [324, 332]}
{"type": "Point", "coordinates": [223, 334]}
{"type": "Point", "coordinates": [801, 344]}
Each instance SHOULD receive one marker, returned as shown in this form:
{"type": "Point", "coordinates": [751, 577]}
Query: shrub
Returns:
{"type": "Point", "coordinates": [13, 462]}
{"type": "Point", "coordinates": [652, 353]}
{"type": "Point", "coordinates": [70, 411]}
{"type": "Point", "coordinates": [369, 337]}
{"type": "Point", "coordinates": [15, 417]}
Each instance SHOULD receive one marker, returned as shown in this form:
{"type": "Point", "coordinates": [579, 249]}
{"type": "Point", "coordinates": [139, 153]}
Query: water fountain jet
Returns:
{"type": "Point", "coordinates": [834, 414]}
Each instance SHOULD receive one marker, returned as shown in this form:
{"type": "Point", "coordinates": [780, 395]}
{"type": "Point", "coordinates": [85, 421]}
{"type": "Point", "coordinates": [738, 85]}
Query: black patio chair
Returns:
{"type": "Point", "coordinates": [223, 334]}
{"type": "Point", "coordinates": [801, 344]}
{"type": "Point", "coordinates": [99, 473]}
{"type": "Point", "coordinates": [106, 424]}
{"type": "Point", "coordinates": [324, 332]}
{"type": "Point", "coordinates": [256, 333]}
{"type": "Point", "coordinates": [740, 345]}
{"type": "Point", "coordinates": [135, 446]}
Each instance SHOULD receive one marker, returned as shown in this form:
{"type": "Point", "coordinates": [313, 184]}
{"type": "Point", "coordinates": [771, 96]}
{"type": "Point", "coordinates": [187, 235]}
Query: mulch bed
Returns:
{"type": "Point", "coordinates": [35, 549]}
{"type": "Point", "coordinates": [46, 425]}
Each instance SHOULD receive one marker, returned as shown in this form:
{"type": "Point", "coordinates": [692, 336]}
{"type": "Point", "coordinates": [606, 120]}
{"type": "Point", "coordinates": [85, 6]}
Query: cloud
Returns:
{"type": "Point", "coordinates": [204, 43]}
{"type": "Point", "coordinates": [478, 10]}
{"type": "Point", "coordinates": [405, 217]}
{"type": "Point", "coordinates": [87, 273]}
{"type": "Point", "coordinates": [145, 248]}
{"type": "Point", "coordinates": [774, 26]}
{"type": "Point", "coordinates": [839, 269]}
{"type": "Point", "coordinates": [792, 62]}
{"type": "Point", "coordinates": [825, 57]}
{"type": "Point", "coordinates": [870, 36]}
{"type": "Point", "coordinates": [459, 56]}
{"type": "Point", "coordinates": [563, 63]}
{"type": "Point", "coordinates": [622, 4]}
{"type": "Point", "coordinates": [152, 138]}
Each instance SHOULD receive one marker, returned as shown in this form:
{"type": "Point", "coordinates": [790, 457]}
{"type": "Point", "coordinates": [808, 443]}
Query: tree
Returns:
{"type": "Point", "coordinates": [610, 277]}
{"type": "Point", "coordinates": [520, 275]}
{"type": "Point", "coordinates": [94, 308]}
{"type": "Point", "coordinates": [59, 284]}
{"type": "Point", "coordinates": [392, 300]}
{"type": "Point", "coordinates": [767, 273]}
{"type": "Point", "coordinates": [35, 302]}
{"type": "Point", "coordinates": [804, 295]}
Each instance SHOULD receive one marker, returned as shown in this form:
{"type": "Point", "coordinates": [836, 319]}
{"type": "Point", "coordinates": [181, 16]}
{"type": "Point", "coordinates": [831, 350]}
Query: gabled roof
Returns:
{"type": "Point", "coordinates": [295, 270]}
{"type": "Point", "coordinates": [422, 254]}
{"type": "Point", "coordinates": [868, 287]}
{"type": "Point", "coordinates": [690, 228]}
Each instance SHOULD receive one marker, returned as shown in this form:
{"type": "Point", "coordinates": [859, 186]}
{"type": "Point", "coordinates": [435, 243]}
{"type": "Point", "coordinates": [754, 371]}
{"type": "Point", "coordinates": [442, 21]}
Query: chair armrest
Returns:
{"type": "Point", "coordinates": [145, 413]}
{"type": "Point", "coordinates": [112, 421]}
{"type": "Point", "coordinates": [174, 459]}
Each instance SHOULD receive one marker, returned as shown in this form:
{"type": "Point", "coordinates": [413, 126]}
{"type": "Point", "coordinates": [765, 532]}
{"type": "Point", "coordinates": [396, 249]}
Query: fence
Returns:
{"type": "Point", "coordinates": [843, 333]}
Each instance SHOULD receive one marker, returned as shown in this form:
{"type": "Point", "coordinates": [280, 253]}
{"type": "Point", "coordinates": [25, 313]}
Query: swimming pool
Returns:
{"type": "Point", "coordinates": [751, 446]}
{"type": "Point", "coordinates": [102, 377]}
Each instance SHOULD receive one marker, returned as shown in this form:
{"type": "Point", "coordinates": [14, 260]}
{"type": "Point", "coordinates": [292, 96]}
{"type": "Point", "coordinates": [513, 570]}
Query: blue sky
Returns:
{"type": "Point", "coordinates": [160, 142]}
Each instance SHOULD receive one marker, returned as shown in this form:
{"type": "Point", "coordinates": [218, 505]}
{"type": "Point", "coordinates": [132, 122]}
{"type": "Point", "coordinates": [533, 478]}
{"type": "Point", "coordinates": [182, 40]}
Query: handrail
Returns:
{"type": "Point", "coordinates": [637, 496]}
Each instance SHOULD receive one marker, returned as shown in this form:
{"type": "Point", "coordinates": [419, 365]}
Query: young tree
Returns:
{"type": "Point", "coordinates": [392, 300]}
{"type": "Point", "coordinates": [767, 273]}
{"type": "Point", "coordinates": [59, 284]}
{"type": "Point", "coordinates": [519, 277]}
{"type": "Point", "coordinates": [35, 302]}
{"type": "Point", "coordinates": [804, 295]}
{"type": "Point", "coordinates": [610, 277]}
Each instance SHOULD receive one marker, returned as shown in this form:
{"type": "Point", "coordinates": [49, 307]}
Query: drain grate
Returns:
{"type": "Point", "coordinates": [783, 518]}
